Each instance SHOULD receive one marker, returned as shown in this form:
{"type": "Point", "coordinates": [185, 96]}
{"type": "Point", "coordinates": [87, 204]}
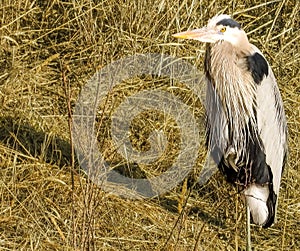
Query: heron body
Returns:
{"type": "Point", "coordinates": [246, 126]}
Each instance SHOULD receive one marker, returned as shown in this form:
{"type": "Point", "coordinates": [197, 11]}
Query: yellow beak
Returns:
{"type": "Point", "coordinates": [204, 34]}
{"type": "Point", "coordinates": [192, 34]}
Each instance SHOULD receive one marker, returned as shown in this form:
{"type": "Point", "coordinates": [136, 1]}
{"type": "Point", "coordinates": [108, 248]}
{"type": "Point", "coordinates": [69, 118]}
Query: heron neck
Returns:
{"type": "Point", "coordinates": [226, 71]}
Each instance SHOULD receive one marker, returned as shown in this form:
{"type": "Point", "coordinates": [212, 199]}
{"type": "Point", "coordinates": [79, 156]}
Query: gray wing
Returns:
{"type": "Point", "coordinates": [272, 125]}
{"type": "Point", "coordinates": [209, 169]}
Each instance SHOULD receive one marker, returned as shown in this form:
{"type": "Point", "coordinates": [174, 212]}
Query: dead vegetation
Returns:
{"type": "Point", "coordinates": [49, 50]}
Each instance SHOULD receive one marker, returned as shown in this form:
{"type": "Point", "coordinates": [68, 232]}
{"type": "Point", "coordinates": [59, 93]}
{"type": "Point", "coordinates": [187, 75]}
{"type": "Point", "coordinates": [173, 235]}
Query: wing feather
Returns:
{"type": "Point", "coordinates": [272, 126]}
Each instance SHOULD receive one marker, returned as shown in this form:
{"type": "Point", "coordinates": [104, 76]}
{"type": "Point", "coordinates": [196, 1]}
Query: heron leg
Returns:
{"type": "Point", "coordinates": [248, 247]}
{"type": "Point", "coordinates": [231, 160]}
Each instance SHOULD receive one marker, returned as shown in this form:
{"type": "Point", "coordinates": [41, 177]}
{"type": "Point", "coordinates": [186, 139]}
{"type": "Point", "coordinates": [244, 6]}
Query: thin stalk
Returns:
{"type": "Point", "coordinates": [248, 247]}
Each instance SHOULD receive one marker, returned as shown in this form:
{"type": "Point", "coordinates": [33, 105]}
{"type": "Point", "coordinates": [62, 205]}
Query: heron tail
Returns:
{"type": "Point", "coordinates": [262, 202]}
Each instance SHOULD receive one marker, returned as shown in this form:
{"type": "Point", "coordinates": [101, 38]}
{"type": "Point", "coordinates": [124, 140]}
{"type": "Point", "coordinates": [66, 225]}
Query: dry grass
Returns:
{"type": "Point", "coordinates": [49, 48]}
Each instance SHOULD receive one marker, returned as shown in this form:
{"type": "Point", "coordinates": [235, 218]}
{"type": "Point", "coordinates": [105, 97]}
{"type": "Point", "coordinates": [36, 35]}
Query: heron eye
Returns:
{"type": "Point", "coordinates": [223, 29]}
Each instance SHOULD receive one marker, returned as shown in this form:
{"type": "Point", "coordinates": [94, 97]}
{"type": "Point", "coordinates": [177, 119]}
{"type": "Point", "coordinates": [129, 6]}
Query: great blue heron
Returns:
{"type": "Point", "coordinates": [246, 124]}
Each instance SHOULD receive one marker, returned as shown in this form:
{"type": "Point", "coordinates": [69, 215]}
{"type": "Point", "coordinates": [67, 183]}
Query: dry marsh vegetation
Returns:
{"type": "Point", "coordinates": [49, 50]}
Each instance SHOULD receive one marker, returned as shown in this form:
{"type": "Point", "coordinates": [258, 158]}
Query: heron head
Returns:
{"type": "Point", "coordinates": [219, 28]}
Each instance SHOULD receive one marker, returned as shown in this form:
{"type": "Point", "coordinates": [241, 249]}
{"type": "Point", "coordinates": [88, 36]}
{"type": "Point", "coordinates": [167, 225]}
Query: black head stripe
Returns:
{"type": "Point", "coordinates": [229, 22]}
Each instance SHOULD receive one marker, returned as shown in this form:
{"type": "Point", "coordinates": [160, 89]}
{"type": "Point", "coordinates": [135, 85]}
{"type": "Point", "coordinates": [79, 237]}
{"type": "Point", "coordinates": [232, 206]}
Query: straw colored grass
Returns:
{"type": "Point", "coordinates": [49, 50]}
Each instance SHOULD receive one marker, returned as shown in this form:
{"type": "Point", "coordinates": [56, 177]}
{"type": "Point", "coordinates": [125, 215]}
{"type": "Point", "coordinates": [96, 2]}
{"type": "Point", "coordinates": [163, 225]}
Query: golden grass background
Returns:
{"type": "Point", "coordinates": [49, 49]}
